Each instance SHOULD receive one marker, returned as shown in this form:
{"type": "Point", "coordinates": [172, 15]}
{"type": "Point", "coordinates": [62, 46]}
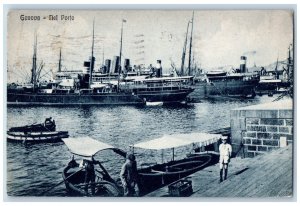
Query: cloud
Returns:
{"type": "Point", "coordinates": [219, 38]}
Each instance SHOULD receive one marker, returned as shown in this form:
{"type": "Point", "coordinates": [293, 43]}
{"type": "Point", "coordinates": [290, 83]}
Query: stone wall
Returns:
{"type": "Point", "coordinates": [261, 128]}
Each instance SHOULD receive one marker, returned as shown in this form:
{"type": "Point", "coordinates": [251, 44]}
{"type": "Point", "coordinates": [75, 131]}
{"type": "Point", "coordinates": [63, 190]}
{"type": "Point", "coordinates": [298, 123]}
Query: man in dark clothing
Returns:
{"type": "Point", "coordinates": [49, 124]}
{"type": "Point", "coordinates": [89, 175]}
{"type": "Point", "coordinates": [129, 175]}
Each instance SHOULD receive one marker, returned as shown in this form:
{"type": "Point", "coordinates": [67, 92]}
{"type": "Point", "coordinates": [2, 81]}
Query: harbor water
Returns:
{"type": "Point", "coordinates": [32, 169]}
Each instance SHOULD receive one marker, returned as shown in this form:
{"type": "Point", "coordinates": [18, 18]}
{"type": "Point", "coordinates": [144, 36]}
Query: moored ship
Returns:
{"type": "Point", "coordinates": [237, 84]}
{"type": "Point", "coordinates": [89, 87]}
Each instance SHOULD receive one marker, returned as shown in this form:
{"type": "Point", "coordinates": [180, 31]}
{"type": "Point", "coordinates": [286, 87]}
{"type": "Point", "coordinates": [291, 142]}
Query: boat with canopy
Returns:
{"type": "Point", "coordinates": [158, 175]}
{"type": "Point", "coordinates": [74, 174]}
{"type": "Point", "coordinates": [149, 178]}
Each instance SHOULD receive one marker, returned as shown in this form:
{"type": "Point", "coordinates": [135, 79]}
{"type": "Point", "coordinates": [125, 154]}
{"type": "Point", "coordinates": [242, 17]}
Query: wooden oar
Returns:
{"type": "Point", "coordinates": [60, 182]}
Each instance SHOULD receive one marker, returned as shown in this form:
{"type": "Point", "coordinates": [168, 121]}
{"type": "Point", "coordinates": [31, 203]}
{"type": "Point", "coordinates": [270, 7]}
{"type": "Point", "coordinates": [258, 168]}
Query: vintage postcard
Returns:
{"type": "Point", "coordinates": [150, 103]}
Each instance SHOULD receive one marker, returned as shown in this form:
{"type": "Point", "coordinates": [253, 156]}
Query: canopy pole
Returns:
{"type": "Point", "coordinates": [162, 156]}
{"type": "Point", "coordinates": [132, 148]}
{"type": "Point", "coordinates": [173, 154]}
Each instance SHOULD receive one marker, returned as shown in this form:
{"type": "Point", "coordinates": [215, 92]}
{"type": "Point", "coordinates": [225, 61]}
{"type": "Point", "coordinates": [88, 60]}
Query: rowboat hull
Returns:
{"type": "Point", "coordinates": [104, 186]}
{"type": "Point", "coordinates": [154, 177]}
{"type": "Point", "coordinates": [37, 137]}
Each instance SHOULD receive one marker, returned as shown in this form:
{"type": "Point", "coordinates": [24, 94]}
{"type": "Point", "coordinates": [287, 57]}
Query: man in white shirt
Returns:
{"type": "Point", "coordinates": [225, 154]}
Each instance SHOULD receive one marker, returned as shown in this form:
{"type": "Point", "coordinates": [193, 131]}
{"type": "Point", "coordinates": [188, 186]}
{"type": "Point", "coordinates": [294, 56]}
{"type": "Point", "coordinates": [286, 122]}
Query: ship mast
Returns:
{"type": "Point", "coordinates": [120, 62]}
{"type": "Point", "coordinates": [184, 50]}
{"type": "Point", "coordinates": [33, 70]}
{"type": "Point", "coordinates": [276, 69]}
{"type": "Point", "coordinates": [92, 59]}
{"type": "Point", "coordinates": [103, 56]}
{"type": "Point", "coordinates": [290, 64]}
{"type": "Point", "coordinates": [59, 62]}
{"type": "Point", "coordinates": [190, 52]}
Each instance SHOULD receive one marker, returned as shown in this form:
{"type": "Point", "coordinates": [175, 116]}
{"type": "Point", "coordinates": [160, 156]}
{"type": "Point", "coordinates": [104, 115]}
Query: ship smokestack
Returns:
{"type": "Point", "coordinates": [107, 66]}
{"type": "Point", "coordinates": [243, 64]}
{"type": "Point", "coordinates": [126, 65]}
{"type": "Point", "coordinates": [115, 64]}
{"type": "Point", "coordinates": [89, 65]}
{"type": "Point", "coordinates": [158, 68]}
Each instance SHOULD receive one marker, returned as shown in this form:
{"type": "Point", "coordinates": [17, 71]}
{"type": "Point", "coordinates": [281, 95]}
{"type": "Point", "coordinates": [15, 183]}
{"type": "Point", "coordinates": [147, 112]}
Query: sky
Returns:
{"type": "Point", "coordinates": [220, 37]}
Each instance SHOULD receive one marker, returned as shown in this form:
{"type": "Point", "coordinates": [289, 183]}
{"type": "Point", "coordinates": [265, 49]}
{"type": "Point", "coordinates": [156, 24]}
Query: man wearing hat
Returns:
{"type": "Point", "coordinates": [129, 175]}
{"type": "Point", "coordinates": [225, 154]}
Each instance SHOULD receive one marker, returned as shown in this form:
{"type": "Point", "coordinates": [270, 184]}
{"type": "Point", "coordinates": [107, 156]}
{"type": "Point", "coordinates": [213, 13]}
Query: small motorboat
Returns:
{"type": "Point", "coordinates": [47, 126]}
{"type": "Point", "coordinates": [74, 173]}
{"type": "Point", "coordinates": [37, 133]}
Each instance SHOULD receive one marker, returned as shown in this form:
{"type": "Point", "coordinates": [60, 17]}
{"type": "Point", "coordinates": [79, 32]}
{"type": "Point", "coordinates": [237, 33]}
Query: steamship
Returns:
{"type": "Point", "coordinates": [120, 86]}
{"type": "Point", "coordinates": [102, 88]}
{"type": "Point", "coordinates": [239, 83]}
{"type": "Point", "coordinates": [218, 83]}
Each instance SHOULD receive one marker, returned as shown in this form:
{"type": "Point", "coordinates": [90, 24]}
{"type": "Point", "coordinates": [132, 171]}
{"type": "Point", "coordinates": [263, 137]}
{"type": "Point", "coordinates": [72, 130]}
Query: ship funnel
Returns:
{"type": "Point", "coordinates": [88, 66]}
{"type": "Point", "coordinates": [115, 65]}
{"type": "Point", "coordinates": [243, 64]}
{"type": "Point", "coordinates": [107, 66]}
{"type": "Point", "coordinates": [158, 68]}
{"type": "Point", "coordinates": [126, 65]}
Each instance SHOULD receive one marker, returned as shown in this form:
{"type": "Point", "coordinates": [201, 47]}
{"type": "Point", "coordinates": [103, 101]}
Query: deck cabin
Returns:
{"type": "Point", "coordinates": [158, 84]}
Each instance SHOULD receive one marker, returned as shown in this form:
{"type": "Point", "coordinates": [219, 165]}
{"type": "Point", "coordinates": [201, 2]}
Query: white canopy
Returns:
{"type": "Point", "coordinates": [85, 146]}
{"type": "Point", "coordinates": [177, 140]}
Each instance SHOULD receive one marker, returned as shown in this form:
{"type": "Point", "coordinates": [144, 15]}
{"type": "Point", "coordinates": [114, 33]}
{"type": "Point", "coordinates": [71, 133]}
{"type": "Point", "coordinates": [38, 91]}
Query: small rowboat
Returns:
{"type": "Point", "coordinates": [74, 174]}
{"type": "Point", "coordinates": [154, 103]}
{"type": "Point", "coordinates": [36, 137]}
{"type": "Point", "coordinates": [159, 175]}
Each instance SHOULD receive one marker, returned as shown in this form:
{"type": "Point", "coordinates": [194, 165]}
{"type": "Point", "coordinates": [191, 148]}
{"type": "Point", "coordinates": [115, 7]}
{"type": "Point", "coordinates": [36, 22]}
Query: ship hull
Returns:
{"type": "Point", "coordinates": [165, 96]}
{"type": "Point", "coordinates": [73, 99]}
{"type": "Point", "coordinates": [96, 99]}
{"type": "Point", "coordinates": [37, 137]}
{"type": "Point", "coordinates": [231, 88]}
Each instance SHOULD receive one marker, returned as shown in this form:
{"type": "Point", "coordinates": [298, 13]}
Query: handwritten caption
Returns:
{"type": "Point", "coordinates": [48, 17]}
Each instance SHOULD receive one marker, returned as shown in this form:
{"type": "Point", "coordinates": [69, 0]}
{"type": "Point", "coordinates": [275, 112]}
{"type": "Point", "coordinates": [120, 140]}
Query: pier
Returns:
{"type": "Point", "coordinates": [264, 176]}
{"type": "Point", "coordinates": [261, 128]}
{"type": "Point", "coordinates": [264, 132]}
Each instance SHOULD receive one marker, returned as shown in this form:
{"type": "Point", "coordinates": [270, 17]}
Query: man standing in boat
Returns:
{"type": "Point", "coordinates": [50, 124]}
{"type": "Point", "coordinates": [90, 175]}
{"type": "Point", "coordinates": [129, 175]}
{"type": "Point", "coordinates": [225, 155]}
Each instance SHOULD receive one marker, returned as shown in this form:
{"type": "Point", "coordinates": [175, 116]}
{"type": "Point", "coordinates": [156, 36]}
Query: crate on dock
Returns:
{"type": "Point", "coordinates": [181, 188]}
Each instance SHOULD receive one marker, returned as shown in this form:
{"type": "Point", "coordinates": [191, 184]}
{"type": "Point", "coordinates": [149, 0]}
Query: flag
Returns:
{"type": "Point", "coordinates": [124, 20]}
